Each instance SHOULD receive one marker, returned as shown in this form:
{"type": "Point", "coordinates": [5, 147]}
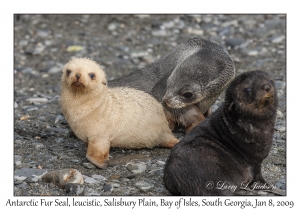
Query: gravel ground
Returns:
{"type": "Point", "coordinates": [43, 141]}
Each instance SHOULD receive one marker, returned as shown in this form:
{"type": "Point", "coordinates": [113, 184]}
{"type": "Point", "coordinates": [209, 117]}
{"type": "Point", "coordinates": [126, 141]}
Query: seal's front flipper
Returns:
{"type": "Point", "coordinates": [258, 182]}
{"type": "Point", "coordinates": [98, 153]}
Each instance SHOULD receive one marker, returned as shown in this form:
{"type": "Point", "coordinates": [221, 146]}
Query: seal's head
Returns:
{"type": "Point", "coordinates": [252, 95]}
{"type": "Point", "coordinates": [200, 78]}
{"type": "Point", "coordinates": [83, 74]}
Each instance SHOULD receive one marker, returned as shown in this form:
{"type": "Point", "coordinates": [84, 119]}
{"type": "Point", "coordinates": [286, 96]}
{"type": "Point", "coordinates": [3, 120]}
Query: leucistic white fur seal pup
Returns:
{"type": "Point", "coordinates": [104, 117]}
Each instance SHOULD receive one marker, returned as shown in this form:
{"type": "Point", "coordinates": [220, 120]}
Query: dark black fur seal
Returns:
{"type": "Point", "coordinates": [193, 73]}
{"type": "Point", "coordinates": [227, 148]}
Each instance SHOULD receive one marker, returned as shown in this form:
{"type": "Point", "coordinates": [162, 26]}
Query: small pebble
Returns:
{"type": "Point", "coordinates": [124, 180]}
{"type": "Point", "coordinates": [87, 190]}
{"type": "Point", "coordinates": [54, 70]}
{"type": "Point", "coordinates": [18, 162]}
{"type": "Point", "coordinates": [17, 158]}
{"type": "Point", "coordinates": [18, 141]}
{"type": "Point", "coordinates": [58, 118]}
{"type": "Point", "coordinates": [30, 108]}
{"type": "Point", "coordinates": [59, 140]}
{"type": "Point", "coordinates": [43, 33]}
{"type": "Point", "coordinates": [20, 178]}
{"type": "Point", "coordinates": [137, 54]}
{"type": "Point", "coordinates": [42, 118]}
{"type": "Point", "coordinates": [107, 188]}
{"type": "Point", "coordinates": [233, 42]}
{"type": "Point", "coordinates": [196, 32]}
{"type": "Point", "coordinates": [280, 85]}
{"type": "Point", "coordinates": [155, 169]}
{"type": "Point", "coordinates": [113, 184]}
{"type": "Point", "coordinates": [38, 145]}
{"type": "Point", "coordinates": [281, 128]}
{"type": "Point", "coordinates": [159, 33]}
{"type": "Point", "coordinates": [50, 165]}
{"type": "Point", "coordinates": [89, 165]}
{"type": "Point", "coordinates": [253, 53]}
{"type": "Point", "coordinates": [281, 184]}
{"type": "Point", "coordinates": [112, 26]}
{"type": "Point", "coordinates": [262, 193]}
{"type": "Point", "coordinates": [32, 179]}
{"type": "Point", "coordinates": [99, 177]}
{"type": "Point", "coordinates": [74, 188]}
{"type": "Point", "coordinates": [114, 177]}
{"type": "Point", "coordinates": [27, 70]}
{"type": "Point", "coordinates": [59, 130]}
{"type": "Point", "coordinates": [23, 185]}
{"type": "Point", "coordinates": [143, 186]}
{"type": "Point", "coordinates": [136, 167]}
{"type": "Point", "coordinates": [39, 48]}
{"type": "Point", "coordinates": [279, 114]}
{"type": "Point", "coordinates": [278, 39]}
{"type": "Point", "coordinates": [25, 117]}
{"type": "Point", "coordinates": [17, 182]}
{"type": "Point", "coordinates": [90, 180]}
{"type": "Point", "coordinates": [122, 191]}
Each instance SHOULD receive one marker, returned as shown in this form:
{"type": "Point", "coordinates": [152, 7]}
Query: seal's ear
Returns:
{"type": "Point", "coordinates": [103, 83]}
{"type": "Point", "coordinates": [230, 107]}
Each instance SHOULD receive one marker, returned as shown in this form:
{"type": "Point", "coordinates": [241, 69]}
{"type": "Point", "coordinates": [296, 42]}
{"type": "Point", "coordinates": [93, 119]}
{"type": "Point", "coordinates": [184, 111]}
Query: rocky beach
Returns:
{"type": "Point", "coordinates": [43, 141]}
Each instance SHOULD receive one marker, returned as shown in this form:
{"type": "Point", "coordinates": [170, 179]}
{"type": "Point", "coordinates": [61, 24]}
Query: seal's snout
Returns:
{"type": "Point", "coordinates": [266, 87]}
{"type": "Point", "coordinates": [78, 82]}
{"type": "Point", "coordinates": [171, 102]}
{"type": "Point", "coordinates": [268, 90]}
{"type": "Point", "coordinates": [268, 94]}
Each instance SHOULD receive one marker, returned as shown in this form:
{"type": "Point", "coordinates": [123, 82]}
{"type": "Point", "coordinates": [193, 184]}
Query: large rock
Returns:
{"type": "Point", "coordinates": [64, 176]}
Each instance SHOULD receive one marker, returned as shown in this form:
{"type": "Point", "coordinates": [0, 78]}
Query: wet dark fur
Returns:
{"type": "Point", "coordinates": [230, 145]}
{"type": "Point", "coordinates": [192, 58]}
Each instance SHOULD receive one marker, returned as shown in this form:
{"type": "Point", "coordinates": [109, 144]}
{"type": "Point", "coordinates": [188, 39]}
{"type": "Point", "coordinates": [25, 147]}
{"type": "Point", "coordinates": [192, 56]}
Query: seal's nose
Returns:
{"type": "Point", "coordinates": [266, 87]}
{"type": "Point", "coordinates": [77, 76]}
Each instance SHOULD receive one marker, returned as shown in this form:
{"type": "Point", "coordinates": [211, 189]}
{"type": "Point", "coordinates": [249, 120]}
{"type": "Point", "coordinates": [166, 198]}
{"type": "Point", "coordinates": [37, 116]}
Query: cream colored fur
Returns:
{"type": "Point", "coordinates": [104, 117]}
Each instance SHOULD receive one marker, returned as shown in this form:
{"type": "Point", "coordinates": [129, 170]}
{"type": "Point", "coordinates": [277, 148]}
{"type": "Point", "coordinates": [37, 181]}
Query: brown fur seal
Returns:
{"type": "Point", "coordinates": [227, 148]}
{"type": "Point", "coordinates": [105, 117]}
{"type": "Point", "coordinates": [193, 73]}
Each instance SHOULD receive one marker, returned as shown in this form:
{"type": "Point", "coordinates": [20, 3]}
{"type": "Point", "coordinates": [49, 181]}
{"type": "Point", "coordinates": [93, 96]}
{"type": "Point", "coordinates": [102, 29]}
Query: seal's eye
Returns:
{"type": "Point", "coordinates": [247, 91]}
{"type": "Point", "coordinates": [68, 72]}
{"type": "Point", "coordinates": [187, 95]}
{"type": "Point", "coordinates": [92, 75]}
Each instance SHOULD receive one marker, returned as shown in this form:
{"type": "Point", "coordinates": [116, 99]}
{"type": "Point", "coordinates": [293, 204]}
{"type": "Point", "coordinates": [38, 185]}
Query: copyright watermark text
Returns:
{"type": "Point", "coordinates": [224, 185]}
